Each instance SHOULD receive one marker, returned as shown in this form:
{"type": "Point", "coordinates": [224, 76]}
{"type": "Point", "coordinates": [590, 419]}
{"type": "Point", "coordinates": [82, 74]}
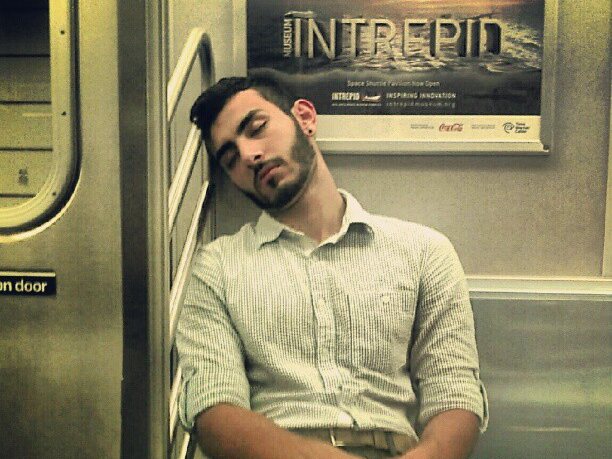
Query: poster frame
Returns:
{"type": "Point", "coordinates": [392, 144]}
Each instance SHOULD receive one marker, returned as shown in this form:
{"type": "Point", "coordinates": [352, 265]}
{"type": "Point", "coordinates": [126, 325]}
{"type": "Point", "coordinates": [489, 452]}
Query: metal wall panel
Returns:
{"type": "Point", "coordinates": [144, 184]}
{"type": "Point", "coordinates": [547, 367]}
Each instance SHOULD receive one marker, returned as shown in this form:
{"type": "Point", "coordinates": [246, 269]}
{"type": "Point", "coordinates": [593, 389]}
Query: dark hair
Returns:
{"type": "Point", "coordinates": [207, 107]}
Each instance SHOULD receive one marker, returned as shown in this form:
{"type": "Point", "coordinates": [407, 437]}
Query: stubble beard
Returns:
{"type": "Point", "coordinates": [302, 153]}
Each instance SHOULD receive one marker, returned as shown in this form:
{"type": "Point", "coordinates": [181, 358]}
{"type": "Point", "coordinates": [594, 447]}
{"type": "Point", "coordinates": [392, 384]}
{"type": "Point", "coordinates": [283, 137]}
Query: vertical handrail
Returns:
{"type": "Point", "coordinates": [182, 272]}
{"type": "Point", "coordinates": [196, 41]}
{"type": "Point", "coordinates": [196, 45]}
{"type": "Point", "coordinates": [174, 394]}
{"type": "Point", "coordinates": [183, 172]}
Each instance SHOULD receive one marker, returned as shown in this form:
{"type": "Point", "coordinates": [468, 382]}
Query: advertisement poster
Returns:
{"type": "Point", "coordinates": [458, 70]}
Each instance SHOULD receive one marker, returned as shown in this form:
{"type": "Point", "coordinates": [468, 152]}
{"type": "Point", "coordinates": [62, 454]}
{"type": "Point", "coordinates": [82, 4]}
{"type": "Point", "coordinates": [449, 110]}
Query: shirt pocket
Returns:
{"type": "Point", "coordinates": [381, 327]}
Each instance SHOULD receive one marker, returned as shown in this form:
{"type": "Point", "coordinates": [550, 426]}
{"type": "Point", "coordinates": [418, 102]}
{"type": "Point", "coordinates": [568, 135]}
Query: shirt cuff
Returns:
{"type": "Point", "coordinates": [198, 395]}
{"type": "Point", "coordinates": [469, 395]}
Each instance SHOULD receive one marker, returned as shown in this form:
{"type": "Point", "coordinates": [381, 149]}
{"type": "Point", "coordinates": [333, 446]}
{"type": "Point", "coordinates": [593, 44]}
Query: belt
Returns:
{"type": "Point", "coordinates": [390, 441]}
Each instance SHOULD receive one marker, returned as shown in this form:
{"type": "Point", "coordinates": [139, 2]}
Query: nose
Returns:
{"type": "Point", "coordinates": [251, 153]}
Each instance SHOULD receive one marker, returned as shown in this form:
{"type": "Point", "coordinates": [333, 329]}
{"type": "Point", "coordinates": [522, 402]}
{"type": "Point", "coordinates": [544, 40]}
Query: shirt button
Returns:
{"type": "Point", "coordinates": [321, 303]}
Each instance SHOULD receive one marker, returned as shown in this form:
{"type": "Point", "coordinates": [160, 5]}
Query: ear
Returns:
{"type": "Point", "coordinates": [306, 115]}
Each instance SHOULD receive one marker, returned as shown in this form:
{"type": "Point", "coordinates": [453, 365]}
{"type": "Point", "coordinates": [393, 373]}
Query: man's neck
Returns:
{"type": "Point", "coordinates": [318, 212]}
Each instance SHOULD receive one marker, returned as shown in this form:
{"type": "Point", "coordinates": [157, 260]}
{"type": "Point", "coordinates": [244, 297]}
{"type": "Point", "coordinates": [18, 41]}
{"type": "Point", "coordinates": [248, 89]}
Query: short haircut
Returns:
{"type": "Point", "coordinates": [207, 107]}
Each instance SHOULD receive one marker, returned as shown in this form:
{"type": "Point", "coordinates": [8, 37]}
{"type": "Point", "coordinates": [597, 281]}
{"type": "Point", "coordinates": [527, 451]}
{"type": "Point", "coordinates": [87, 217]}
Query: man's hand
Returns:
{"type": "Point", "coordinates": [449, 435]}
{"type": "Point", "coordinates": [230, 432]}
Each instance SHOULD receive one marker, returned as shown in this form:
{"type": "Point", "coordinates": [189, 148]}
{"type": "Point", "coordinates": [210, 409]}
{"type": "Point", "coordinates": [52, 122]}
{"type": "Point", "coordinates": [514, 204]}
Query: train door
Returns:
{"type": "Point", "coordinates": [102, 186]}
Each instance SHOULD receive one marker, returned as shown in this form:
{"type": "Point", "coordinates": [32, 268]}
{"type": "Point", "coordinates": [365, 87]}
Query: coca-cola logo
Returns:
{"type": "Point", "coordinates": [456, 127]}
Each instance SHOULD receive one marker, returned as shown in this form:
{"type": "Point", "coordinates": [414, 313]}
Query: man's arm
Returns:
{"type": "Point", "coordinates": [449, 435]}
{"type": "Point", "coordinates": [215, 383]}
{"type": "Point", "coordinates": [230, 432]}
{"type": "Point", "coordinates": [444, 360]}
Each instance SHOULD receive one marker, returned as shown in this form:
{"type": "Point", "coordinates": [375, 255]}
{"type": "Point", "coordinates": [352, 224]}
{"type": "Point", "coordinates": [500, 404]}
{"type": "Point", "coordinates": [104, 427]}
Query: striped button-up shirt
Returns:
{"type": "Point", "coordinates": [371, 329]}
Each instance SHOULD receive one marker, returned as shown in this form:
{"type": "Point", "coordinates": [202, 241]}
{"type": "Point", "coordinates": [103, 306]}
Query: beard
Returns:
{"type": "Point", "coordinates": [303, 154]}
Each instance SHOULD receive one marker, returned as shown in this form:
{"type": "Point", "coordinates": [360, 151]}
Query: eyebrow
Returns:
{"type": "Point", "coordinates": [239, 130]}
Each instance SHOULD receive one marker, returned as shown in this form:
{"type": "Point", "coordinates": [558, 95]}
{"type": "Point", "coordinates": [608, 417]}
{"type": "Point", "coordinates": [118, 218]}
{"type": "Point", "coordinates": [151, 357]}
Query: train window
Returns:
{"type": "Point", "coordinates": [38, 156]}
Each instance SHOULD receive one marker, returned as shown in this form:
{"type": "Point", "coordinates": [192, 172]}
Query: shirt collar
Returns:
{"type": "Point", "coordinates": [268, 229]}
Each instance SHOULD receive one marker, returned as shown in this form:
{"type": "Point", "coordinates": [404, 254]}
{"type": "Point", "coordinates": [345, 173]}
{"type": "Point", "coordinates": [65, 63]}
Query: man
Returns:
{"type": "Point", "coordinates": [320, 331]}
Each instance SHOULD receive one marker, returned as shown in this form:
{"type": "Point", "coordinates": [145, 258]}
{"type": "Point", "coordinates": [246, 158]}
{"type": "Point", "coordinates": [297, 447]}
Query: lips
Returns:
{"type": "Point", "coordinates": [263, 174]}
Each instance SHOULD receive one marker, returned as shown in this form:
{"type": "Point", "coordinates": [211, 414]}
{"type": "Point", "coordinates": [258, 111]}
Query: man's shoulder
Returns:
{"type": "Point", "coordinates": [394, 229]}
{"type": "Point", "coordinates": [403, 230]}
{"type": "Point", "coordinates": [245, 235]}
{"type": "Point", "coordinates": [233, 244]}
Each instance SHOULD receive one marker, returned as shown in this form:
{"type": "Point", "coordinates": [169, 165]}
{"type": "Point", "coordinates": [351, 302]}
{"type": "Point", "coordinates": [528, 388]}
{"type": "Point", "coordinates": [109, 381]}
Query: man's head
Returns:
{"type": "Point", "coordinates": [261, 135]}
{"type": "Point", "coordinates": [207, 107]}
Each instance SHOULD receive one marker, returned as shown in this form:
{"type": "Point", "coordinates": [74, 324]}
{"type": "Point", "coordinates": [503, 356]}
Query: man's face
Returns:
{"type": "Point", "coordinates": [263, 150]}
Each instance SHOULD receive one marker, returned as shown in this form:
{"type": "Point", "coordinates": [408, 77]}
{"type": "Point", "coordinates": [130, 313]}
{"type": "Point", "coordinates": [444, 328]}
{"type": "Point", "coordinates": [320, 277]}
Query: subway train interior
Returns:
{"type": "Point", "coordinates": [106, 191]}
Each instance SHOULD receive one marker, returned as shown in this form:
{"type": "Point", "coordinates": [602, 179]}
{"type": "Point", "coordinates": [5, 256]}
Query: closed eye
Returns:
{"type": "Point", "coordinates": [258, 126]}
{"type": "Point", "coordinates": [228, 159]}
